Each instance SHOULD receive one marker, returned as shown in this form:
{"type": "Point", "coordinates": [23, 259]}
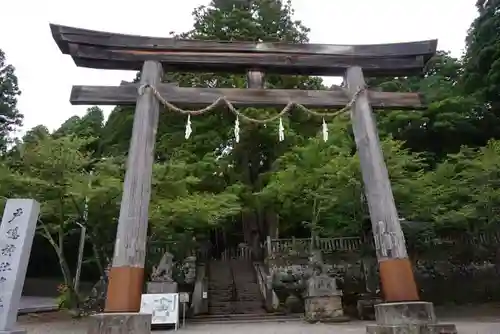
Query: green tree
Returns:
{"type": "Point", "coordinates": [451, 118]}
{"type": "Point", "coordinates": [55, 172]}
{"type": "Point", "coordinates": [320, 183]}
{"type": "Point", "coordinates": [482, 57]}
{"type": "Point", "coordinates": [481, 68]}
{"type": "Point", "coordinates": [462, 194]}
{"type": "Point", "coordinates": [88, 126]}
{"type": "Point", "coordinates": [51, 171]}
{"type": "Point", "coordinates": [35, 134]}
{"type": "Point", "coordinates": [182, 209]}
{"type": "Point", "coordinates": [10, 117]}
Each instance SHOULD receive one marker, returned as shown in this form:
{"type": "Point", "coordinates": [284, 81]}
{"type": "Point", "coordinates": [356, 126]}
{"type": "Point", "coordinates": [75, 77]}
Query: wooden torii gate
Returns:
{"type": "Point", "coordinates": [153, 56]}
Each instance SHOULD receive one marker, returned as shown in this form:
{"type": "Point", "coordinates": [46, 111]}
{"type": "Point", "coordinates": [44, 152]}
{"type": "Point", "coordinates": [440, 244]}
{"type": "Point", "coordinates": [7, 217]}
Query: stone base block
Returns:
{"type": "Point", "coordinates": [408, 318]}
{"type": "Point", "coordinates": [14, 331]}
{"type": "Point", "coordinates": [161, 287]}
{"type": "Point", "coordinates": [324, 309]}
{"type": "Point", "coordinates": [412, 329]}
{"type": "Point", "coordinates": [334, 320]}
{"type": "Point", "coordinates": [405, 313]}
{"type": "Point", "coordinates": [365, 307]}
{"type": "Point", "coordinates": [120, 323]}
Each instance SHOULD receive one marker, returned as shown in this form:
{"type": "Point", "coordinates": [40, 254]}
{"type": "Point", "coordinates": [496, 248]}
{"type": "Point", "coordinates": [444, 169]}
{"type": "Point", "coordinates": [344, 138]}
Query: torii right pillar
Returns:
{"type": "Point", "coordinates": [402, 311]}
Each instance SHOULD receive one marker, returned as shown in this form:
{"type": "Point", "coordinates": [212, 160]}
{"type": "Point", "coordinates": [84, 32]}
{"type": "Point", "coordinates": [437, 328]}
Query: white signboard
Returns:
{"type": "Point", "coordinates": [163, 307]}
{"type": "Point", "coordinates": [16, 236]}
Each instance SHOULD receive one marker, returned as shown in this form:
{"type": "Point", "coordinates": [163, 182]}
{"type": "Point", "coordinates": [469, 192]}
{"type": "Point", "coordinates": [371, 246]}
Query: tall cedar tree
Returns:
{"type": "Point", "coordinates": [10, 117]}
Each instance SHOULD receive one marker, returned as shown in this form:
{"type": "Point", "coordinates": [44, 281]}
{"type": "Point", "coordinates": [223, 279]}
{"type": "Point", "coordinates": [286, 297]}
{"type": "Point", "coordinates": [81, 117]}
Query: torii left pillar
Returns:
{"type": "Point", "coordinates": [126, 276]}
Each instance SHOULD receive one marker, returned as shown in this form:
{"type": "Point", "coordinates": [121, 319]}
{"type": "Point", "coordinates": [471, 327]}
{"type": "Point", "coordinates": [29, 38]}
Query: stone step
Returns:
{"type": "Point", "coordinates": [235, 302]}
{"type": "Point", "coordinates": [218, 299]}
{"type": "Point", "coordinates": [229, 307]}
{"type": "Point", "coordinates": [245, 278]}
{"type": "Point", "coordinates": [243, 293]}
{"type": "Point", "coordinates": [221, 299]}
{"type": "Point", "coordinates": [247, 292]}
{"type": "Point", "coordinates": [218, 292]}
{"type": "Point", "coordinates": [246, 318]}
{"type": "Point", "coordinates": [218, 281]}
{"type": "Point", "coordinates": [248, 288]}
{"type": "Point", "coordinates": [249, 299]}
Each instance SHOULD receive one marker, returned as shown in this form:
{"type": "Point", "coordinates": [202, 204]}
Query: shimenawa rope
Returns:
{"type": "Point", "coordinates": [224, 101]}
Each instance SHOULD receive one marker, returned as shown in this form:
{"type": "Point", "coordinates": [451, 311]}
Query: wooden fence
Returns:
{"type": "Point", "coordinates": [336, 244]}
{"type": "Point", "coordinates": [326, 245]}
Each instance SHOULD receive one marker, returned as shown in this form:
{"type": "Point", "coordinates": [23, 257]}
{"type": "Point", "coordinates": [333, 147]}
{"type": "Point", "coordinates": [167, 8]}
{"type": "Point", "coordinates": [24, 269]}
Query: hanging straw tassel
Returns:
{"type": "Point", "coordinates": [325, 131]}
{"type": "Point", "coordinates": [237, 129]}
{"type": "Point", "coordinates": [281, 131]}
{"type": "Point", "coordinates": [188, 127]}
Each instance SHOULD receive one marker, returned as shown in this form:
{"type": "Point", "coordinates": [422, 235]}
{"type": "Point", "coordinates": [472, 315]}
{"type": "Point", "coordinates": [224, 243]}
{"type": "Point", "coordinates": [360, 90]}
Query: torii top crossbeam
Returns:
{"type": "Point", "coordinates": [104, 50]}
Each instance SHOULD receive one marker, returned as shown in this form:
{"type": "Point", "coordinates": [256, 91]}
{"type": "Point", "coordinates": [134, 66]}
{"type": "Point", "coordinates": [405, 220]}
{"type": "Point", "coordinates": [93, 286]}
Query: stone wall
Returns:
{"type": "Point", "coordinates": [445, 274]}
{"type": "Point", "coordinates": [290, 274]}
{"type": "Point", "coordinates": [444, 282]}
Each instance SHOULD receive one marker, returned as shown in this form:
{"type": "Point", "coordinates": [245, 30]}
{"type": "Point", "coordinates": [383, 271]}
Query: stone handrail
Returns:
{"type": "Point", "coordinates": [261, 279]}
{"type": "Point", "coordinates": [200, 297]}
{"type": "Point", "coordinates": [270, 298]}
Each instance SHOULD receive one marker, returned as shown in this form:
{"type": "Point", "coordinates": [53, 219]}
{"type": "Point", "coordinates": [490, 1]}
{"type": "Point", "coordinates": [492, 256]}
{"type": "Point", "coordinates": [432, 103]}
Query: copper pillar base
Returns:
{"type": "Point", "coordinates": [398, 282]}
{"type": "Point", "coordinates": [124, 289]}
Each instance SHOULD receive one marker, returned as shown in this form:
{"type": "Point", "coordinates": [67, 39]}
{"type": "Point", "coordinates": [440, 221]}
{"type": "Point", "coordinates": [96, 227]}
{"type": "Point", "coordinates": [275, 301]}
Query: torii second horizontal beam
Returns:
{"type": "Point", "coordinates": [201, 97]}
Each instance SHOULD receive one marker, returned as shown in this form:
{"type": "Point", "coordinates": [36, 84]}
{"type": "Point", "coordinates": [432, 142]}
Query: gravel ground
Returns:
{"type": "Point", "coordinates": [62, 325]}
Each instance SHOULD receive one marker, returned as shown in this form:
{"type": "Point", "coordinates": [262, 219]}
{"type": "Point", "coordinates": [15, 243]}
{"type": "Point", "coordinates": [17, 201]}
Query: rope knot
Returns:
{"type": "Point", "coordinates": [142, 88]}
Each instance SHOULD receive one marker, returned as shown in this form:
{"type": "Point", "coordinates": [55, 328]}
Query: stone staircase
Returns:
{"type": "Point", "coordinates": [248, 295]}
{"type": "Point", "coordinates": [220, 288]}
{"type": "Point", "coordinates": [233, 288]}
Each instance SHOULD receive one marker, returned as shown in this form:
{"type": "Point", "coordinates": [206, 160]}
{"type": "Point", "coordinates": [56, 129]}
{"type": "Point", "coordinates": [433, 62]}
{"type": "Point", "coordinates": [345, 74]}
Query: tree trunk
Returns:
{"type": "Point", "coordinates": [272, 223]}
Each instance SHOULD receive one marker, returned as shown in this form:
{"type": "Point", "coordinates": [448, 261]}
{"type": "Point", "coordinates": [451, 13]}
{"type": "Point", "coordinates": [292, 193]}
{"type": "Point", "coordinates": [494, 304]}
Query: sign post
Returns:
{"type": "Point", "coordinates": [16, 237]}
{"type": "Point", "coordinates": [184, 300]}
